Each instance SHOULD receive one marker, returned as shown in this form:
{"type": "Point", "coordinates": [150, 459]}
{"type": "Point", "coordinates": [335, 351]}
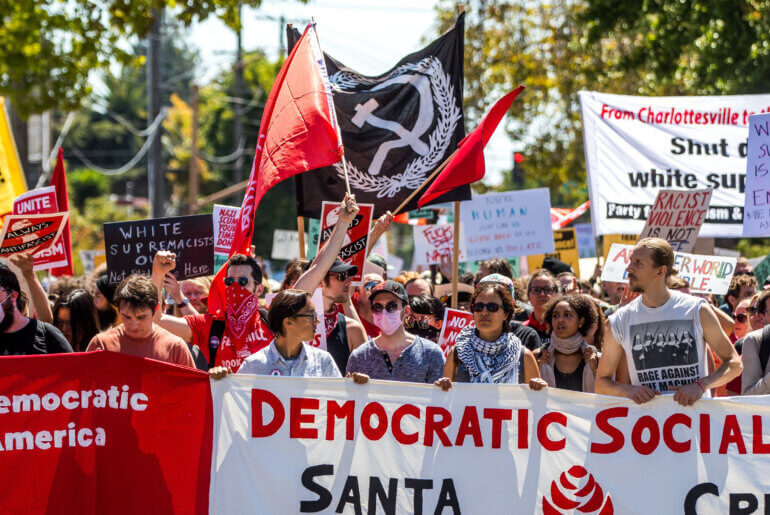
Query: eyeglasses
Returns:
{"type": "Point", "coordinates": [243, 281]}
{"type": "Point", "coordinates": [371, 284]}
{"type": "Point", "coordinates": [492, 307]}
{"type": "Point", "coordinates": [543, 290]}
{"type": "Point", "coordinates": [421, 322]}
{"type": "Point", "coordinates": [741, 318]}
{"type": "Point", "coordinates": [390, 307]}
{"type": "Point", "coordinates": [313, 315]}
{"type": "Point", "coordinates": [341, 276]}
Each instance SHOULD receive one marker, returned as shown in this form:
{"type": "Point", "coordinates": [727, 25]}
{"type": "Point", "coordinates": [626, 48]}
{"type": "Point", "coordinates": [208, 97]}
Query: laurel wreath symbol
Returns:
{"type": "Point", "coordinates": [417, 170]}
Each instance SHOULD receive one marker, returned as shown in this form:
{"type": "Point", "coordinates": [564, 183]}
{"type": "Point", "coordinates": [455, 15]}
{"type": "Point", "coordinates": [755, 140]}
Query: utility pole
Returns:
{"type": "Point", "coordinates": [237, 106]}
{"type": "Point", "coordinates": [282, 36]}
{"type": "Point", "coordinates": [193, 208]}
{"type": "Point", "coordinates": [155, 179]}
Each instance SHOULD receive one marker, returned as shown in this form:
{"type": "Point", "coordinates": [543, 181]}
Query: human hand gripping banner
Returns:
{"type": "Point", "coordinates": [289, 445]}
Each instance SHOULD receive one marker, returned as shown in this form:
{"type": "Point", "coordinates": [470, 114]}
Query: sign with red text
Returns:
{"type": "Point", "coordinates": [677, 216]}
{"type": "Point", "coordinates": [87, 420]}
{"type": "Point", "coordinates": [756, 210]}
{"type": "Point", "coordinates": [24, 233]}
{"type": "Point", "coordinates": [356, 243]}
{"type": "Point", "coordinates": [636, 145]}
{"type": "Point", "coordinates": [706, 274]}
{"type": "Point", "coordinates": [454, 322]}
{"type": "Point", "coordinates": [37, 202]}
{"type": "Point", "coordinates": [224, 218]}
{"type": "Point", "coordinates": [432, 243]}
{"type": "Point", "coordinates": [288, 445]}
{"type": "Point", "coordinates": [508, 224]}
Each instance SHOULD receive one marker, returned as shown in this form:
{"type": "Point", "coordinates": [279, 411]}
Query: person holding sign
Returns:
{"type": "Point", "coordinates": [662, 334]}
{"type": "Point", "coordinates": [488, 352]}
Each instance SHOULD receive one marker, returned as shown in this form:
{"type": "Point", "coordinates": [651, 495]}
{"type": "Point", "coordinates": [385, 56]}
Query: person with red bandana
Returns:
{"type": "Point", "coordinates": [226, 341]}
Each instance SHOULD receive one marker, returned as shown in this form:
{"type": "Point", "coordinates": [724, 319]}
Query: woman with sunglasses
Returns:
{"type": "Point", "coordinates": [488, 352]}
{"type": "Point", "coordinates": [394, 355]}
{"type": "Point", "coordinates": [292, 318]}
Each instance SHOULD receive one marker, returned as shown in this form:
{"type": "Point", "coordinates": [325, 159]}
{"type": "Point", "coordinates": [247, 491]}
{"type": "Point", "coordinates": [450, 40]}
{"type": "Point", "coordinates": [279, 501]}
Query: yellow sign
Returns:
{"type": "Point", "coordinates": [565, 243]}
{"type": "Point", "coordinates": [12, 181]}
{"type": "Point", "coordinates": [625, 239]}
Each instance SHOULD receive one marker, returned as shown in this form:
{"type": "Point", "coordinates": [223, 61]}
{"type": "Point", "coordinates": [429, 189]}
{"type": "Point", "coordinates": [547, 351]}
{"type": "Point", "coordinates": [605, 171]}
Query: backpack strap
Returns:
{"type": "Point", "coordinates": [215, 339]}
{"type": "Point", "coordinates": [764, 348]}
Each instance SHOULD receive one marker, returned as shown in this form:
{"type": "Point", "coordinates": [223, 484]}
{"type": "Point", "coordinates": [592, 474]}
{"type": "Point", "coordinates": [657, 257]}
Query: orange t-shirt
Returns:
{"type": "Point", "coordinates": [161, 345]}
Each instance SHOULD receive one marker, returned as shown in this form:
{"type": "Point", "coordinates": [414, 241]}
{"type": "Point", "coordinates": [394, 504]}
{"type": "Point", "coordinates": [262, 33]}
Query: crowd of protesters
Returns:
{"type": "Point", "coordinates": [545, 330]}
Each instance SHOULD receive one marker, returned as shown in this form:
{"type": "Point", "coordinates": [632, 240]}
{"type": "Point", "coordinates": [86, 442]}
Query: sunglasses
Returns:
{"type": "Point", "coordinates": [243, 281]}
{"type": "Point", "coordinates": [341, 276]}
{"type": "Point", "coordinates": [742, 318]}
{"type": "Point", "coordinates": [492, 307]}
{"type": "Point", "coordinates": [371, 284]}
{"type": "Point", "coordinates": [421, 322]}
{"type": "Point", "coordinates": [751, 311]}
{"type": "Point", "coordinates": [547, 290]}
{"type": "Point", "coordinates": [313, 315]}
{"type": "Point", "coordinates": [390, 307]}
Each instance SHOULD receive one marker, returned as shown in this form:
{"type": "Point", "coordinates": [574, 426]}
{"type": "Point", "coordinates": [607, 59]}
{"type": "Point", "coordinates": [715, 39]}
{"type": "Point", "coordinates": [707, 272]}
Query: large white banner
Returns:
{"type": "Point", "coordinates": [635, 146]}
{"type": "Point", "coordinates": [293, 445]}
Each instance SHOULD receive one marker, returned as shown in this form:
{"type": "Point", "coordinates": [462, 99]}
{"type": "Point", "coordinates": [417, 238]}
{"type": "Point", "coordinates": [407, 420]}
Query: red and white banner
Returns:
{"type": "Point", "coordinates": [37, 202]}
{"type": "Point", "coordinates": [356, 242]}
{"type": "Point", "coordinates": [454, 321]}
{"type": "Point", "coordinates": [677, 216]}
{"type": "Point", "coordinates": [22, 233]}
{"type": "Point", "coordinates": [225, 221]}
{"type": "Point", "coordinates": [288, 445]}
{"type": "Point", "coordinates": [103, 433]}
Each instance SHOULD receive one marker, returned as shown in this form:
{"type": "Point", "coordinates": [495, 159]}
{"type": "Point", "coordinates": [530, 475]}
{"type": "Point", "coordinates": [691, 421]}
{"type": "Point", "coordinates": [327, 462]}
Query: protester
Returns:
{"type": "Point", "coordinates": [25, 262]}
{"type": "Point", "coordinates": [741, 326]}
{"type": "Point", "coordinates": [569, 362]}
{"type": "Point", "coordinates": [755, 349]}
{"type": "Point", "coordinates": [568, 282]}
{"type": "Point", "coordinates": [418, 286]}
{"type": "Point", "coordinates": [75, 316]}
{"type": "Point", "coordinates": [239, 333]}
{"type": "Point", "coordinates": [137, 299]}
{"type": "Point", "coordinates": [614, 292]}
{"type": "Point", "coordinates": [493, 266]}
{"type": "Point", "coordinates": [343, 333]}
{"type": "Point", "coordinates": [197, 291]}
{"type": "Point", "coordinates": [540, 290]}
{"type": "Point", "coordinates": [662, 330]}
{"type": "Point", "coordinates": [741, 287]}
{"type": "Point", "coordinates": [293, 319]}
{"type": "Point", "coordinates": [425, 318]}
{"type": "Point", "coordinates": [527, 335]}
{"type": "Point", "coordinates": [294, 269]}
{"type": "Point", "coordinates": [488, 352]}
{"type": "Point", "coordinates": [181, 305]}
{"type": "Point", "coordinates": [362, 305]}
{"type": "Point", "coordinates": [756, 317]}
{"type": "Point", "coordinates": [106, 311]}
{"type": "Point", "coordinates": [743, 267]}
{"type": "Point", "coordinates": [395, 355]}
{"type": "Point", "coordinates": [20, 335]}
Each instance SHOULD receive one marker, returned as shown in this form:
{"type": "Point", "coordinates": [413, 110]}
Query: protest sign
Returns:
{"type": "Point", "coordinates": [432, 243]}
{"type": "Point", "coordinates": [512, 223]}
{"type": "Point", "coordinates": [37, 202]}
{"type": "Point", "coordinates": [609, 239]}
{"type": "Point", "coordinates": [320, 329]}
{"type": "Point", "coordinates": [356, 242]}
{"type": "Point", "coordinates": [89, 260]}
{"type": "Point", "coordinates": [24, 233]}
{"type": "Point", "coordinates": [706, 274]}
{"type": "Point", "coordinates": [677, 216]}
{"type": "Point", "coordinates": [88, 419]}
{"type": "Point", "coordinates": [285, 244]}
{"type": "Point", "coordinates": [586, 241]}
{"type": "Point", "coordinates": [454, 321]}
{"type": "Point", "coordinates": [313, 231]}
{"type": "Point", "coordinates": [407, 448]}
{"type": "Point", "coordinates": [225, 218]}
{"type": "Point", "coordinates": [756, 213]}
{"type": "Point", "coordinates": [666, 142]}
{"type": "Point", "coordinates": [131, 246]}
{"type": "Point", "coordinates": [762, 270]}
{"type": "Point", "coordinates": [565, 242]}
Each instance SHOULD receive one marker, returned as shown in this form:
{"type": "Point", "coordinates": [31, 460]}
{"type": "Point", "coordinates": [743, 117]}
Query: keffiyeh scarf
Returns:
{"type": "Point", "coordinates": [489, 362]}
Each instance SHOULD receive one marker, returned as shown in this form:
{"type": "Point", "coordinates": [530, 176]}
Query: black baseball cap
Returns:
{"type": "Point", "coordinates": [340, 266]}
{"type": "Point", "coordinates": [390, 286]}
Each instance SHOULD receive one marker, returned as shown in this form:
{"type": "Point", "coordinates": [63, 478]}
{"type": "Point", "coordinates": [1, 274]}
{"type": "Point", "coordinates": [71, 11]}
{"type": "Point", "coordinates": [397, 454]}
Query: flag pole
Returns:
{"type": "Point", "coordinates": [301, 231]}
{"type": "Point", "coordinates": [416, 191]}
{"type": "Point", "coordinates": [332, 109]}
{"type": "Point", "coordinates": [455, 254]}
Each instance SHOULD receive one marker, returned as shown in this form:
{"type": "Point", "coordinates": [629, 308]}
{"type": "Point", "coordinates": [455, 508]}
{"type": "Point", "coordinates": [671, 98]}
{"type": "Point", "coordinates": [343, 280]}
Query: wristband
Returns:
{"type": "Point", "coordinates": [701, 385]}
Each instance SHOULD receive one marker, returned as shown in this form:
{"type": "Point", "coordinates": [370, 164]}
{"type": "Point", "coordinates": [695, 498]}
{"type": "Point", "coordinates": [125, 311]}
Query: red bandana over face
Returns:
{"type": "Point", "coordinates": [330, 319]}
{"type": "Point", "coordinates": [241, 321]}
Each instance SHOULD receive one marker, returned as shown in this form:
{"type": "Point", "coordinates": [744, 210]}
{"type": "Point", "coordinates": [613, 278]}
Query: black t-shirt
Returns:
{"type": "Point", "coordinates": [527, 335]}
{"type": "Point", "coordinates": [34, 338]}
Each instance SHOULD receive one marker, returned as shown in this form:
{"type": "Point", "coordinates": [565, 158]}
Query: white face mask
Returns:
{"type": "Point", "coordinates": [388, 323]}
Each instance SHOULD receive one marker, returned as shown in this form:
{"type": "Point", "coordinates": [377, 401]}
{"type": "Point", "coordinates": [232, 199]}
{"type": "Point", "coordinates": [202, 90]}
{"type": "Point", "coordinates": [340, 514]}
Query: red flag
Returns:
{"type": "Point", "coordinates": [298, 133]}
{"type": "Point", "coordinates": [561, 217]}
{"type": "Point", "coordinates": [59, 181]}
{"type": "Point", "coordinates": [467, 164]}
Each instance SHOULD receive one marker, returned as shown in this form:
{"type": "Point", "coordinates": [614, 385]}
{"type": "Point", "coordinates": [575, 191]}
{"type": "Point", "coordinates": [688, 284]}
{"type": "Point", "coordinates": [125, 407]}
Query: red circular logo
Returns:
{"type": "Point", "coordinates": [576, 489]}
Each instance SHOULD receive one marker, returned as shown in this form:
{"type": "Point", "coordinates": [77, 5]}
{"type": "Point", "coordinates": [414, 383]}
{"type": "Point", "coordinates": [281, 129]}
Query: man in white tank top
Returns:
{"type": "Point", "coordinates": [662, 336]}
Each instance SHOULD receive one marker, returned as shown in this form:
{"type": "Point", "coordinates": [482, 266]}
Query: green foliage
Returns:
{"type": "Point", "coordinates": [755, 247]}
{"type": "Point", "coordinates": [83, 184]}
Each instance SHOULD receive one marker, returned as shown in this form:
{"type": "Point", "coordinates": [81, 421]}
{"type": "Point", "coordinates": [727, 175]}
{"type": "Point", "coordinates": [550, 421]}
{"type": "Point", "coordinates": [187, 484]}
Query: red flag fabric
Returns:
{"type": "Point", "coordinates": [298, 133]}
{"type": "Point", "coordinates": [467, 165]}
{"type": "Point", "coordinates": [562, 217]}
{"type": "Point", "coordinates": [59, 181]}
{"type": "Point", "coordinates": [104, 432]}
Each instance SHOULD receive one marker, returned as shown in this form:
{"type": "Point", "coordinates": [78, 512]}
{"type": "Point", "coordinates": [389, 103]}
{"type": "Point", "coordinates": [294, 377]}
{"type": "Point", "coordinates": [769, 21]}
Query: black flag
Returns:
{"type": "Point", "coordinates": [397, 128]}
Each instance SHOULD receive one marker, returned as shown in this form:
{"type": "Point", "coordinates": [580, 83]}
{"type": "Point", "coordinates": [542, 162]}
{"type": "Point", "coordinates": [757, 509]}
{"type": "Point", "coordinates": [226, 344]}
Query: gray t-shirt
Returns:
{"type": "Point", "coordinates": [421, 362]}
{"type": "Point", "coordinates": [753, 380]}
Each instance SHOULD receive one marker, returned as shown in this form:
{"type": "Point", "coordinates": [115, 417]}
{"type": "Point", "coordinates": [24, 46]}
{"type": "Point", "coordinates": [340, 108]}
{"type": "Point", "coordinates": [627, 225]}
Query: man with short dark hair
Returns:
{"type": "Point", "coordinates": [418, 286]}
{"type": "Point", "coordinates": [20, 335]}
{"type": "Point", "coordinates": [137, 299]}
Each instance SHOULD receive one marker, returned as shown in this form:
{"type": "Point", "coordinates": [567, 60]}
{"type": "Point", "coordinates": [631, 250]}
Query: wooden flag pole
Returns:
{"type": "Point", "coordinates": [301, 230]}
{"type": "Point", "coordinates": [455, 254]}
{"type": "Point", "coordinates": [432, 176]}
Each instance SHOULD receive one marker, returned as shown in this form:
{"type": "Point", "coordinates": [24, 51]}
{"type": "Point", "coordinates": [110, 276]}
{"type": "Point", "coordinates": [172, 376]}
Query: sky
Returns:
{"type": "Point", "coordinates": [369, 37]}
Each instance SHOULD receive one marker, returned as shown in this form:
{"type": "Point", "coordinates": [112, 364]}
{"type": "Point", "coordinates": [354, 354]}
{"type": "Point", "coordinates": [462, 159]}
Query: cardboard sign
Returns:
{"type": "Point", "coordinates": [356, 243]}
{"type": "Point", "coordinates": [585, 240]}
{"type": "Point", "coordinates": [706, 274]}
{"type": "Point", "coordinates": [285, 244]}
{"type": "Point", "coordinates": [677, 216]}
{"type": "Point", "coordinates": [37, 202]}
{"type": "Point", "coordinates": [565, 241]}
{"type": "Point", "coordinates": [762, 270]}
{"type": "Point", "coordinates": [313, 231]}
{"type": "Point", "coordinates": [131, 246]}
{"type": "Point", "coordinates": [454, 321]}
{"type": "Point", "coordinates": [756, 208]}
{"type": "Point", "coordinates": [89, 259]}
{"type": "Point", "coordinates": [513, 223]}
{"type": "Point", "coordinates": [22, 233]}
{"type": "Point", "coordinates": [434, 242]}
{"type": "Point", "coordinates": [609, 239]}
{"type": "Point", "coordinates": [225, 219]}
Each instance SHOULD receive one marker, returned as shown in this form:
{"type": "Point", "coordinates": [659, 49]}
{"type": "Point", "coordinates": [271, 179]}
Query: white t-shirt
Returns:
{"type": "Point", "coordinates": [664, 346]}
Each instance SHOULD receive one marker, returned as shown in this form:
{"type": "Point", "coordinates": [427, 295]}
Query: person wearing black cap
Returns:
{"type": "Point", "coordinates": [343, 334]}
{"type": "Point", "coordinates": [395, 355]}
{"type": "Point", "coordinates": [105, 310]}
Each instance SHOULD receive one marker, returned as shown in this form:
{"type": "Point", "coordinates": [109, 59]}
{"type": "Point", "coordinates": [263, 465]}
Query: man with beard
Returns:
{"type": "Point", "coordinates": [20, 335]}
{"type": "Point", "coordinates": [221, 341]}
{"type": "Point", "coordinates": [651, 264]}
